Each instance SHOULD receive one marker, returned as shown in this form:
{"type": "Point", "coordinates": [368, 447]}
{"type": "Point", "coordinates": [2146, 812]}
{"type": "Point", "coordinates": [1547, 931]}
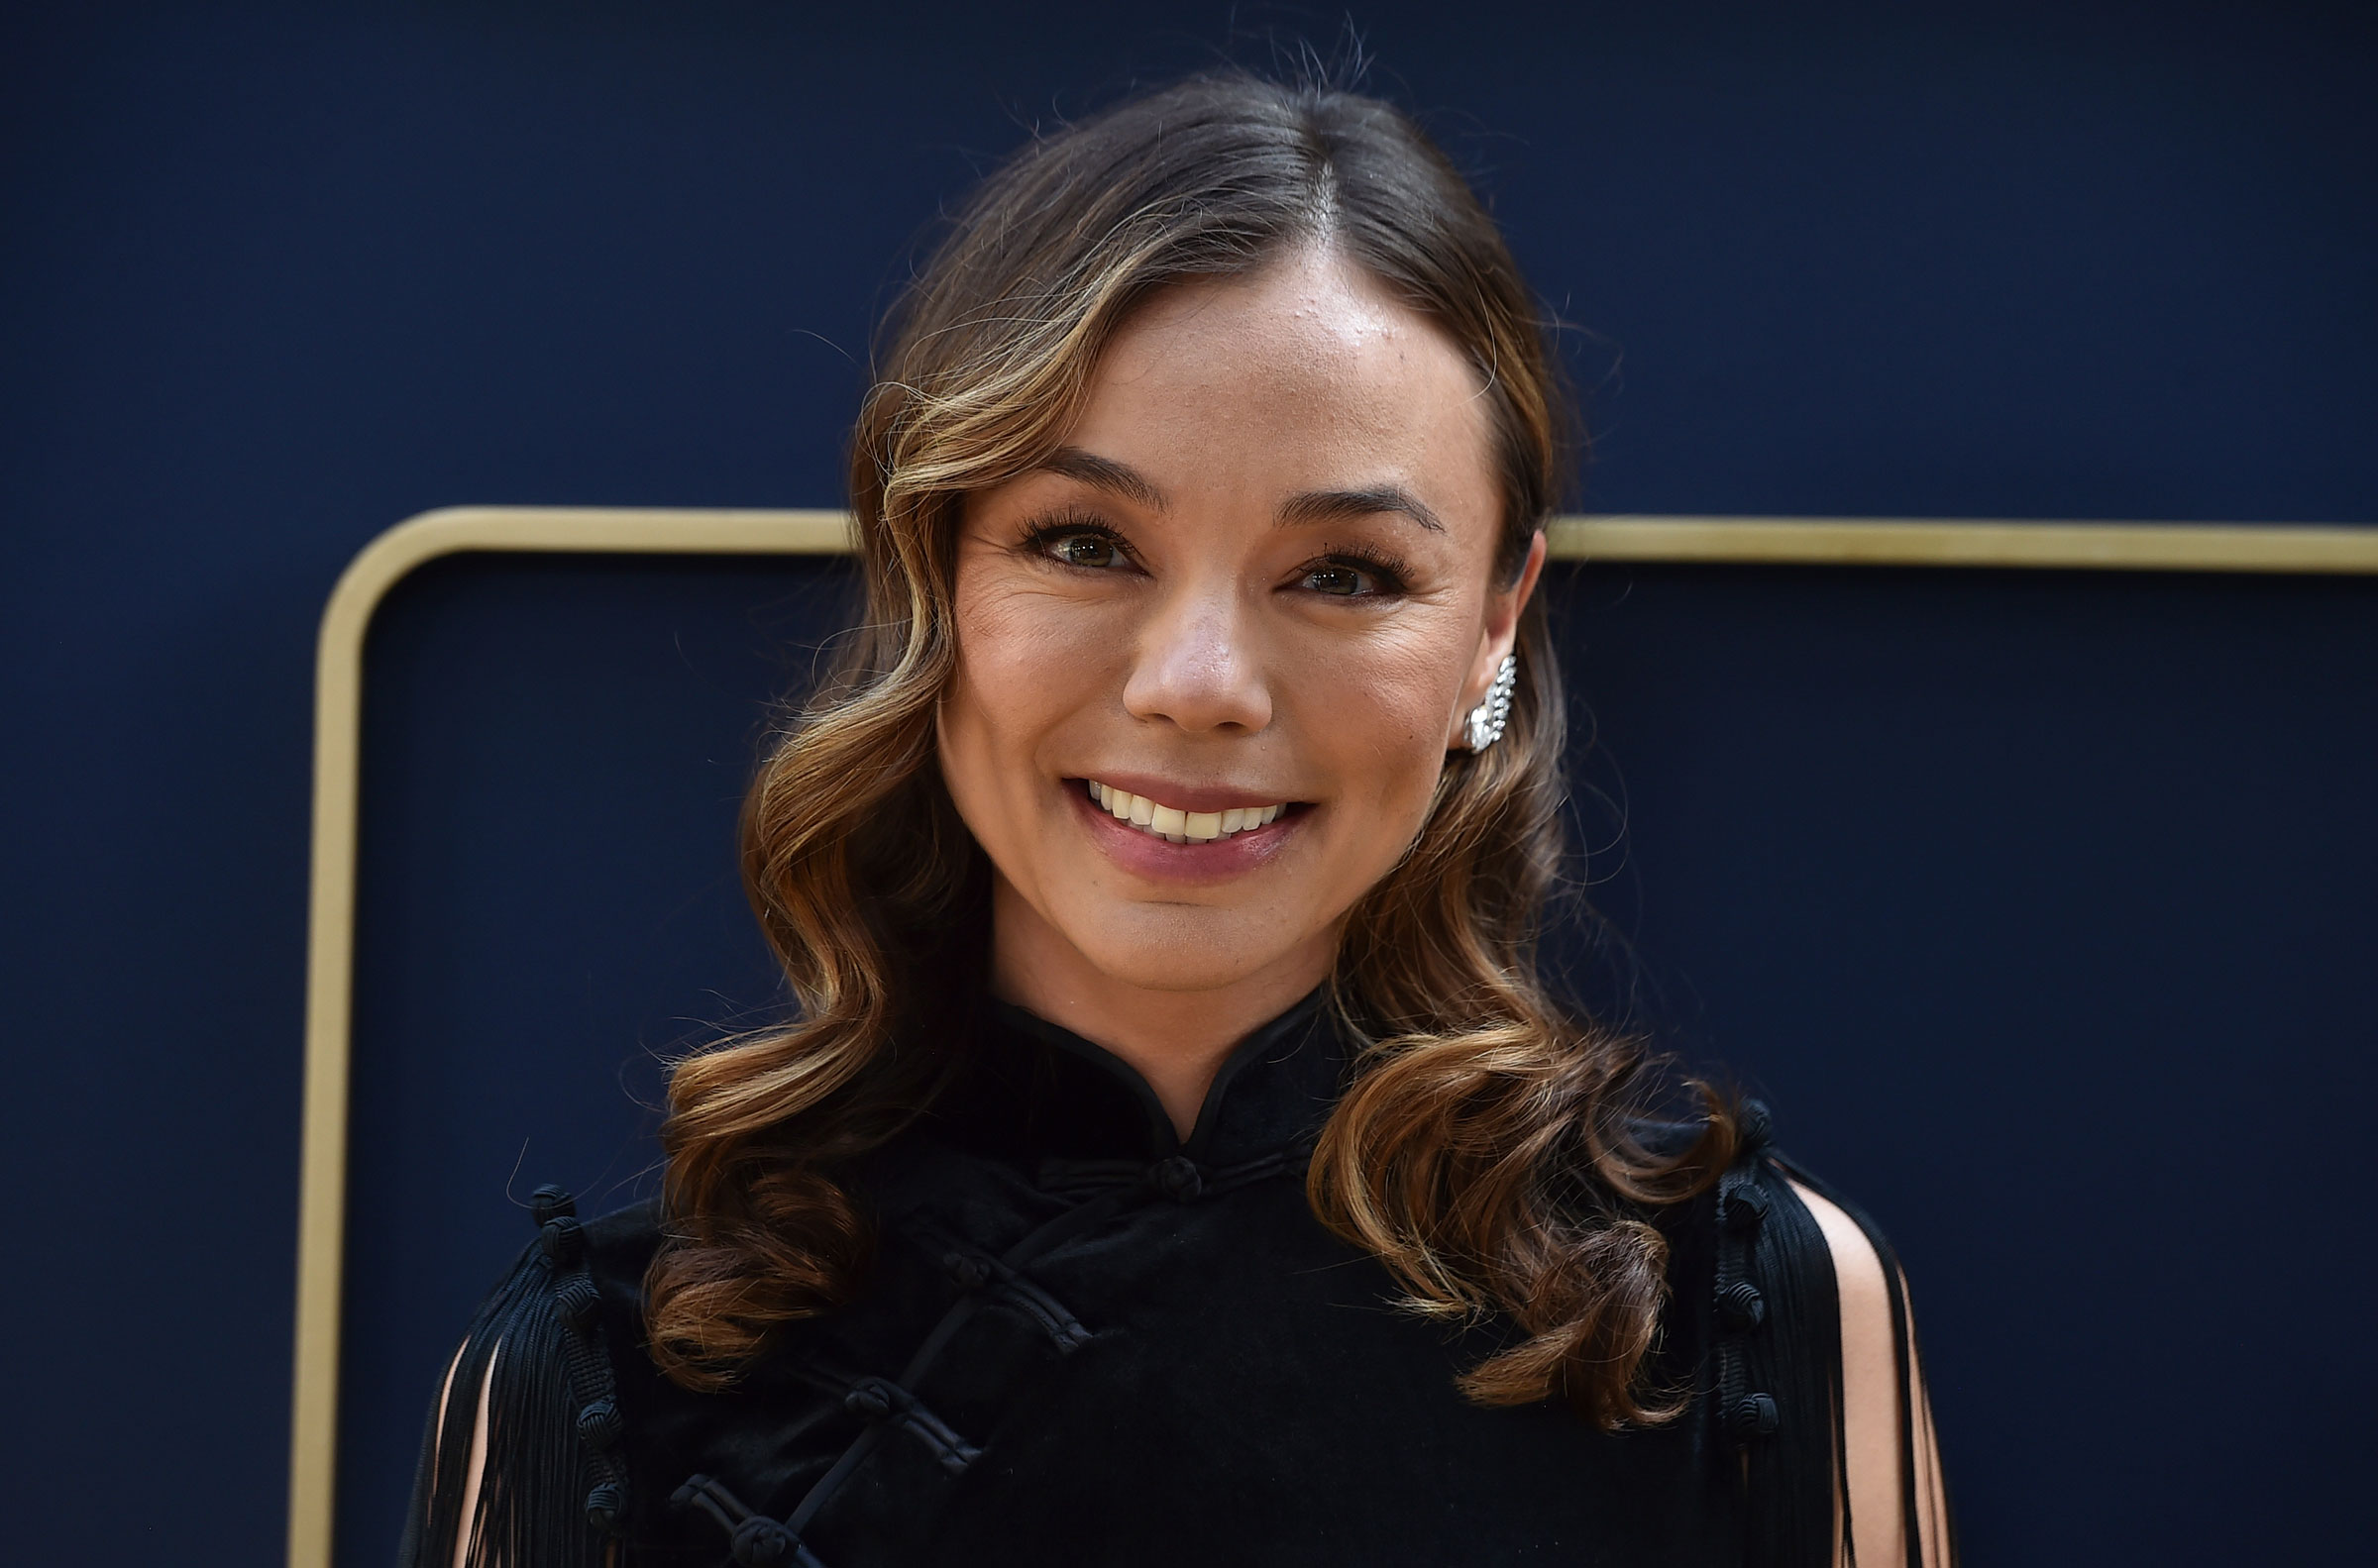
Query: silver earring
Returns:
{"type": "Point", "coordinates": [1486, 720]}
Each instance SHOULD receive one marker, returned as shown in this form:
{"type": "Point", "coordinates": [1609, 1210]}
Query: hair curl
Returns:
{"type": "Point", "coordinates": [1488, 1151]}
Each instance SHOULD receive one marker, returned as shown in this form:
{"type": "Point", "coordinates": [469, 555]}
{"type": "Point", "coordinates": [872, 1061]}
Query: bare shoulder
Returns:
{"type": "Point", "coordinates": [1896, 1506]}
{"type": "Point", "coordinates": [1865, 1289]}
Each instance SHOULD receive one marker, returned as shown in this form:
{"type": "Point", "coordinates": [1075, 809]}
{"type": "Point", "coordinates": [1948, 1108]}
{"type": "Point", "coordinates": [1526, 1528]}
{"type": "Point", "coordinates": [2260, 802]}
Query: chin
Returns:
{"type": "Point", "coordinates": [1178, 954]}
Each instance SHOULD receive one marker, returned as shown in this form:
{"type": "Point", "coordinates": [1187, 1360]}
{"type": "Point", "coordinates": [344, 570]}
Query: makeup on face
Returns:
{"type": "Point", "coordinates": [1214, 647]}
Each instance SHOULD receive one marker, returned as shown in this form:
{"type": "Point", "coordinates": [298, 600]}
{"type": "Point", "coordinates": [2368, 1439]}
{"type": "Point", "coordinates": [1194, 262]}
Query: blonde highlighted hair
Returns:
{"type": "Point", "coordinates": [1489, 1150]}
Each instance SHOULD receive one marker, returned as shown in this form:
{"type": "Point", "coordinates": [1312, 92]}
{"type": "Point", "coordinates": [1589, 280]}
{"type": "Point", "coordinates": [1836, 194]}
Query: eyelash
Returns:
{"type": "Point", "coordinates": [1045, 531]}
{"type": "Point", "coordinates": [1042, 532]}
{"type": "Point", "coordinates": [1389, 570]}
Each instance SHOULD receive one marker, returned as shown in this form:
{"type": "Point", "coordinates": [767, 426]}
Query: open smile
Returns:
{"type": "Point", "coordinates": [1176, 824]}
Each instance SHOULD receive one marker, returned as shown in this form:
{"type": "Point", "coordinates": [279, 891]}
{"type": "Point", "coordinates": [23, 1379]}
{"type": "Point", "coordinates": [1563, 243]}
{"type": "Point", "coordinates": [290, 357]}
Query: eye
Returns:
{"type": "Point", "coordinates": [1351, 577]}
{"type": "Point", "coordinates": [1076, 542]}
{"type": "Point", "coordinates": [1082, 550]}
{"type": "Point", "coordinates": [1345, 581]}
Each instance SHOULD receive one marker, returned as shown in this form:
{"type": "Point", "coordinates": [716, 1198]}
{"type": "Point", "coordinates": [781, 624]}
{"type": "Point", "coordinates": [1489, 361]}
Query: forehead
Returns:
{"type": "Point", "coordinates": [1305, 374]}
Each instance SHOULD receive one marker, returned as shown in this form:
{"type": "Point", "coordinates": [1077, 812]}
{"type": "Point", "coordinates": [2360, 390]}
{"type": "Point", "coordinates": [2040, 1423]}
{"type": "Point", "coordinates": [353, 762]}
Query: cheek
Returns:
{"type": "Point", "coordinates": [1026, 664]}
{"type": "Point", "coordinates": [1381, 722]}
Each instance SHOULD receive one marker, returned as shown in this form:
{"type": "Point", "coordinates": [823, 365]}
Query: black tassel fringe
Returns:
{"type": "Point", "coordinates": [1780, 1366]}
{"type": "Point", "coordinates": [553, 1487]}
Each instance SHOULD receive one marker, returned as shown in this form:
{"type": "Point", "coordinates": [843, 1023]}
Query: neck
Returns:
{"type": "Point", "coordinates": [1175, 1038]}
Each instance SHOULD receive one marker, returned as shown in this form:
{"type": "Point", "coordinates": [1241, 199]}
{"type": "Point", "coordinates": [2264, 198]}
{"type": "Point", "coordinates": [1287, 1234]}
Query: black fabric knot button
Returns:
{"type": "Point", "coordinates": [971, 1273]}
{"type": "Point", "coordinates": [561, 1240]}
{"type": "Point", "coordinates": [1742, 1306]}
{"type": "Point", "coordinates": [575, 1297]}
{"type": "Point", "coordinates": [551, 1202]}
{"type": "Point", "coordinates": [603, 1503]}
{"type": "Point", "coordinates": [1746, 1205]}
{"type": "Point", "coordinates": [1177, 1177]}
{"type": "Point", "coordinates": [1754, 1416]}
{"type": "Point", "coordinates": [1754, 1128]}
{"type": "Point", "coordinates": [600, 1424]}
{"type": "Point", "coordinates": [761, 1542]}
{"type": "Point", "coordinates": [868, 1402]}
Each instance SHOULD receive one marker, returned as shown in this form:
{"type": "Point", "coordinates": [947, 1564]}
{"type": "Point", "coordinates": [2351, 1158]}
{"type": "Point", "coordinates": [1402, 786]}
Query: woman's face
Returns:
{"type": "Point", "coordinates": [1211, 656]}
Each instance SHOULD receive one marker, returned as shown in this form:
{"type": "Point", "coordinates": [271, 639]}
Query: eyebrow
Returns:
{"type": "Point", "coordinates": [1108, 474]}
{"type": "Point", "coordinates": [1311, 507]}
{"type": "Point", "coordinates": [1323, 506]}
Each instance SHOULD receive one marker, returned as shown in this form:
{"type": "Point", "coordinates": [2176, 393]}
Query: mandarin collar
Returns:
{"type": "Point", "coordinates": [1033, 1090]}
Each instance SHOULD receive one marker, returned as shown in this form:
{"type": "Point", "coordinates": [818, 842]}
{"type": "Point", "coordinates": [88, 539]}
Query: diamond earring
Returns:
{"type": "Point", "coordinates": [1486, 720]}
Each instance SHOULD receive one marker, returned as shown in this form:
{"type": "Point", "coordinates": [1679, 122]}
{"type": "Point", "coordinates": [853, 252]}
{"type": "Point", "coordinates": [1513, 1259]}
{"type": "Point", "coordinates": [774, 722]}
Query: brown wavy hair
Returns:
{"type": "Point", "coordinates": [1489, 1150]}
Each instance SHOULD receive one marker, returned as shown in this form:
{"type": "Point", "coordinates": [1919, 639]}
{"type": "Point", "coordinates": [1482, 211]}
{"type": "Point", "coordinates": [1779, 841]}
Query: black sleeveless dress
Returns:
{"type": "Point", "coordinates": [1084, 1341]}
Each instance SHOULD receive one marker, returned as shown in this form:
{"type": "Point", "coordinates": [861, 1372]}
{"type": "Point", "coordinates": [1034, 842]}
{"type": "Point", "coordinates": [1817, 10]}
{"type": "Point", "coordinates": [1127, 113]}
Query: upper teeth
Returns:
{"type": "Point", "coordinates": [1181, 827]}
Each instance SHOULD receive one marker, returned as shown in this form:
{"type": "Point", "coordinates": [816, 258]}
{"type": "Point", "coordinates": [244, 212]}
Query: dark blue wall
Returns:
{"type": "Point", "coordinates": [273, 278]}
{"type": "Point", "coordinates": [2039, 905]}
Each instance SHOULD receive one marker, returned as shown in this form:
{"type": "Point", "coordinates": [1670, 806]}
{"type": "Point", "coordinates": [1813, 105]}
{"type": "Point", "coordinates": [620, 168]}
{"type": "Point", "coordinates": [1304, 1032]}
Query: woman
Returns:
{"type": "Point", "coordinates": [1175, 1157]}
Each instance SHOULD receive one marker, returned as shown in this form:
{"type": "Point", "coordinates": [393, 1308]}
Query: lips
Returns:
{"type": "Point", "coordinates": [1176, 824]}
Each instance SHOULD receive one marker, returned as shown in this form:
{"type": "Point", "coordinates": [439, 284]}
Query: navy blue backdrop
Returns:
{"type": "Point", "coordinates": [2038, 905]}
{"type": "Point", "coordinates": [274, 277]}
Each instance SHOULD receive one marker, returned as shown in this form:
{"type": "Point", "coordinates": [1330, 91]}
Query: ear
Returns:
{"type": "Point", "coordinates": [1496, 639]}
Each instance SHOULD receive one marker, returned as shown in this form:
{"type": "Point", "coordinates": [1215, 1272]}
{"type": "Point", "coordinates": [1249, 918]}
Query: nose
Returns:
{"type": "Point", "coordinates": [1197, 664]}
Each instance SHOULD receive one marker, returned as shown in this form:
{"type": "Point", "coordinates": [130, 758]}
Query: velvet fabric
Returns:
{"type": "Point", "coordinates": [1085, 1341]}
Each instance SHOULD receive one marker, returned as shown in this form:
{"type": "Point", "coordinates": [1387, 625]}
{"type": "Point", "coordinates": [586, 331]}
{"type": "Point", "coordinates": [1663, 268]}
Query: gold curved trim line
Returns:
{"type": "Point", "coordinates": [1978, 541]}
{"type": "Point", "coordinates": [330, 931]}
{"type": "Point", "coordinates": [395, 555]}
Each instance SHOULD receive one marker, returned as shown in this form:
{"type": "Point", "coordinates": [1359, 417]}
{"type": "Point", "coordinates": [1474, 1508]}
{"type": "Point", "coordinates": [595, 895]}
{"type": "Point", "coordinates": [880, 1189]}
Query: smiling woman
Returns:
{"type": "Point", "coordinates": [1175, 1155]}
{"type": "Point", "coordinates": [1260, 577]}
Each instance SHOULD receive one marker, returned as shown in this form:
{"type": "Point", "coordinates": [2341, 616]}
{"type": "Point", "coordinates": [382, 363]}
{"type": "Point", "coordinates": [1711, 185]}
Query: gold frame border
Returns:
{"type": "Point", "coordinates": [397, 554]}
